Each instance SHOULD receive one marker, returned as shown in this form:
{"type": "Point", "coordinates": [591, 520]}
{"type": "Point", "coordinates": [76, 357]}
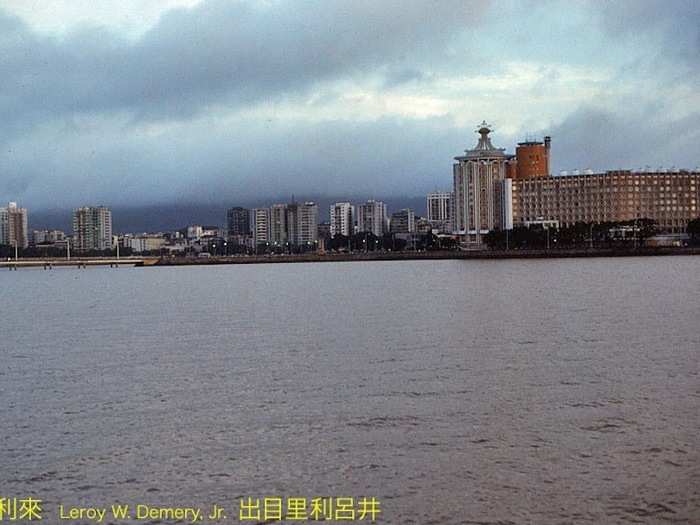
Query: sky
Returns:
{"type": "Point", "coordinates": [143, 102]}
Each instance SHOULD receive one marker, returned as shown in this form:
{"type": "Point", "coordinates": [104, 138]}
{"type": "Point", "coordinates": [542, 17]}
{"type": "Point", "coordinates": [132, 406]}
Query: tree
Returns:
{"type": "Point", "coordinates": [646, 228]}
{"type": "Point", "coordinates": [339, 242]}
{"type": "Point", "coordinates": [693, 229]}
{"type": "Point", "coordinates": [495, 239]}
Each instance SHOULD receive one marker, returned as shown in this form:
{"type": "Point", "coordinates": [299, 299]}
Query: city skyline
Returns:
{"type": "Point", "coordinates": [531, 161]}
{"type": "Point", "coordinates": [308, 113]}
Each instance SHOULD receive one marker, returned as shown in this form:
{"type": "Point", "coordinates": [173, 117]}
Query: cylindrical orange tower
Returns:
{"type": "Point", "coordinates": [532, 159]}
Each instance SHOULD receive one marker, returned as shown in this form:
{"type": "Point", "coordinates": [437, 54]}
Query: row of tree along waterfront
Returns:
{"type": "Point", "coordinates": [635, 233]}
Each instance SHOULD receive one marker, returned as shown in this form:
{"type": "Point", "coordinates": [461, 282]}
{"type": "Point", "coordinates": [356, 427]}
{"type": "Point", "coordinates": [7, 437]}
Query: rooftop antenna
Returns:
{"type": "Point", "coordinates": [484, 142]}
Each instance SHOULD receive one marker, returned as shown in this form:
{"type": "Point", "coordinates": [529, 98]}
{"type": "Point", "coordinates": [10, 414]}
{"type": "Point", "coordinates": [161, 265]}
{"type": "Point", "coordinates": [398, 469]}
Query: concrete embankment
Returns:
{"type": "Point", "coordinates": [430, 255]}
{"type": "Point", "coordinates": [344, 257]}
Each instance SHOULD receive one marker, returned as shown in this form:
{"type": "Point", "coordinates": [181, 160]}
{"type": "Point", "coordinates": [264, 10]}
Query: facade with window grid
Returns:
{"type": "Point", "coordinates": [670, 198]}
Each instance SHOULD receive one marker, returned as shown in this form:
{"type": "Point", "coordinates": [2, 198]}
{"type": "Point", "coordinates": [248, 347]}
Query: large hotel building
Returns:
{"type": "Point", "coordinates": [669, 198]}
{"type": "Point", "coordinates": [482, 189]}
{"type": "Point", "coordinates": [494, 190]}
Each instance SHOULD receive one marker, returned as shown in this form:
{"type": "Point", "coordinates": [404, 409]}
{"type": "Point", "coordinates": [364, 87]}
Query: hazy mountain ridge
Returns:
{"type": "Point", "coordinates": [168, 217]}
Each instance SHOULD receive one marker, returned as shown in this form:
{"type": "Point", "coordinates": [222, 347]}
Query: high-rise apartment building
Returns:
{"type": "Point", "coordinates": [440, 206]}
{"type": "Point", "coordinates": [278, 224]}
{"type": "Point", "coordinates": [238, 222]}
{"type": "Point", "coordinates": [371, 217]}
{"type": "Point", "coordinates": [324, 231]}
{"type": "Point", "coordinates": [302, 223]}
{"type": "Point", "coordinates": [403, 221]}
{"type": "Point", "coordinates": [261, 225]}
{"type": "Point", "coordinates": [292, 222]}
{"type": "Point", "coordinates": [480, 203]}
{"type": "Point", "coordinates": [92, 229]}
{"type": "Point", "coordinates": [4, 227]}
{"type": "Point", "coordinates": [286, 225]}
{"type": "Point", "coordinates": [305, 227]}
{"type": "Point", "coordinates": [342, 219]}
{"type": "Point", "coordinates": [14, 226]}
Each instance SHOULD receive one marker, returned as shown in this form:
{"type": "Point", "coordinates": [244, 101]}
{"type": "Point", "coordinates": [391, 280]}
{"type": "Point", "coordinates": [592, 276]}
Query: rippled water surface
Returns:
{"type": "Point", "coordinates": [558, 391]}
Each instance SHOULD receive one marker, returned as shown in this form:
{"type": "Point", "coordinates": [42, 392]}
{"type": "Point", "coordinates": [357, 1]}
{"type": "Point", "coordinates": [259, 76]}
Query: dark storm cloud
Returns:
{"type": "Point", "coordinates": [219, 52]}
{"type": "Point", "coordinates": [599, 139]}
{"type": "Point", "coordinates": [638, 128]}
{"type": "Point", "coordinates": [92, 117]}
{"type": "Point", "coordinates": [675, 23]}
{"type": "Point", "coordinates": [256, 160]}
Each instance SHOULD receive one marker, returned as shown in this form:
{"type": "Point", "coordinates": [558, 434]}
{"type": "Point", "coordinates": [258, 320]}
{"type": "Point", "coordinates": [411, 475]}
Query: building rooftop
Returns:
{"type": "Point", "coordinates": [484, 148]}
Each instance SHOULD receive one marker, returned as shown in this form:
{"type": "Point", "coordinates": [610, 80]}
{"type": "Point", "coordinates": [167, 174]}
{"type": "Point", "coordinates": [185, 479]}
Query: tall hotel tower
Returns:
{"type": "Point", "coordinates": [482, 189]}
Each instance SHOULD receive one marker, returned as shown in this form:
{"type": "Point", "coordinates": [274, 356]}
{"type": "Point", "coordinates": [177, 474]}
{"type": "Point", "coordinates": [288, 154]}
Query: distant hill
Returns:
{"type": "Point", "coordinates": [166, 217]}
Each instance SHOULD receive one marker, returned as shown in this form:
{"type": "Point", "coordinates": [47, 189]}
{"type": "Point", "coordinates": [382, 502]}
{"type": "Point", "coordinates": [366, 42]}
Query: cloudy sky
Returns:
{"type": "Point", "coordinates": [156, 101]}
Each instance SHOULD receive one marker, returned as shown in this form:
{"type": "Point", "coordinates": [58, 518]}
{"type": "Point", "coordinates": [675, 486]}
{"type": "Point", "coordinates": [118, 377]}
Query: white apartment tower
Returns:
{"type": "Point", "coordinates": [371, 217]}
{"type": "Point", "coordinates": [261, 225]}
{"type": "Point", "coordinates": [13, 226]}
{"type": "Point", "coordinates": [342, 219]}
{"type": "Point", "coordinates": [305, 225]}
{"type": "Point", "coordinates": [92, 229]}
{"type": "Point", "coordinates": [440, 206]}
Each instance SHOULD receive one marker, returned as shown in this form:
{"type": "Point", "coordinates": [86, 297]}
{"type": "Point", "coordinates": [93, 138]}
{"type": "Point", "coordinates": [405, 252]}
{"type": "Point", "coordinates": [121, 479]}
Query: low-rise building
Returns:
{"type": "Point", "coordinates": [403, 221]}
{"type": "Point", "coordinates": [151, 243]}
{"type": "Point", "coordinates": [47, 237]}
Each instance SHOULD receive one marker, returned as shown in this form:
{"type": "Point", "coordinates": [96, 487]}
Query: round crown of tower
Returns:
{"type": "Point", "coordinates": [484, 148]}
{"type": "Point", "coordinates": [484, 141]}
